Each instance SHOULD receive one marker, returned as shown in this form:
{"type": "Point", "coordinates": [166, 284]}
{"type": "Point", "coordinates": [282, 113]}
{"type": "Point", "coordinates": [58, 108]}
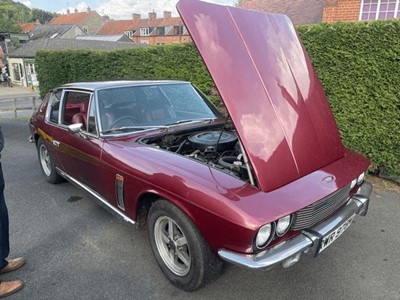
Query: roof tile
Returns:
{"type": "Point", "coordinates": [74, 18]}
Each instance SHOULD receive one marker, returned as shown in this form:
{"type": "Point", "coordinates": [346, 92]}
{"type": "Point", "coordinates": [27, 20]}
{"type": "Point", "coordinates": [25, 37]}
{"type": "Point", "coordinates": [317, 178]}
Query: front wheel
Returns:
{"type": "Point", "coordinates": [180, 250]}
{"type": "Point", "coordinates": [46, 163]}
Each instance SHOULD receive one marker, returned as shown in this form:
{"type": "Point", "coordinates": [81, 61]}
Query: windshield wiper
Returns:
{"type": "Point", "coordinates": [190, 121]}
{"type": "Point", "coordinates": [130, 128]}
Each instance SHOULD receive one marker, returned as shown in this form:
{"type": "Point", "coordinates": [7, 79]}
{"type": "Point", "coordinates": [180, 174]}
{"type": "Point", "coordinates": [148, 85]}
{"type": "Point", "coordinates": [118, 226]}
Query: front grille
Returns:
{"type": "Point", "coordinates": [316, 212]}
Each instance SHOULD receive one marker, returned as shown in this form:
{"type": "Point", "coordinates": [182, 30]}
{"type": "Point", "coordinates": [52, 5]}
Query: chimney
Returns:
{"type": "Point", "coordinates": [136, 17]}
{"type": "Point", "coordinates": [37, 22]}
{"type": "Point", "coordinates": [75, 10]}
{"type": "Point", "coordinates": [68, 11]}
{"type": "Point", "coordinates": [88, 9]}
{"type": "Point", "coordinates": [152, 16]}
{"type": "Point", "coordinates": [167, 14]}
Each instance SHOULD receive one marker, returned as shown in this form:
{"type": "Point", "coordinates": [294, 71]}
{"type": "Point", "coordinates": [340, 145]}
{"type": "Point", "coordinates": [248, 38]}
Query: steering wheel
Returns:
{"type": "Point", "coordinates": [124, 121]}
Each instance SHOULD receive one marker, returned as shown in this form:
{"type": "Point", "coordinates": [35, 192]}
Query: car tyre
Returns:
{"type": "Point", "coordinates": [180, 250]}
{"type": "Point", "coordinates": [46, 163]}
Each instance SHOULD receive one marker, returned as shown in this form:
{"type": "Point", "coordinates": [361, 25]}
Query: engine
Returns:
{"type": "Point", "coordinates": [217, 148]}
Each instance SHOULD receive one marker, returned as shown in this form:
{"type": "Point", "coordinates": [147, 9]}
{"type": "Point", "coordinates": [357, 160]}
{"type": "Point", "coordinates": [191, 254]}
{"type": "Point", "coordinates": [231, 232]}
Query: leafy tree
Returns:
{"type": "Point", "coordinates": [41, 15]}
{"type": "Point", "coordinates": [14, 13]}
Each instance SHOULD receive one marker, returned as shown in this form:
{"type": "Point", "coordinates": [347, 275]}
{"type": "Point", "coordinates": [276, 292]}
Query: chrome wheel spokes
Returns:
{"type": "Point", "coordinates": [172, 246]}
{"type": "Point", "coordinates": [45, 160]}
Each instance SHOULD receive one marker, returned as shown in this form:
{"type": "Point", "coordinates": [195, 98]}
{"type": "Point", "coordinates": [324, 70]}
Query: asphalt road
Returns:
{"type": "Point", "coordinates": [77, 250]}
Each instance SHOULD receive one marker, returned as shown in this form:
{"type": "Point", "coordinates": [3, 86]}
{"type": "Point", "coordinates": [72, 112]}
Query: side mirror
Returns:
{"type": "Point", "coordinates": [75, 128]}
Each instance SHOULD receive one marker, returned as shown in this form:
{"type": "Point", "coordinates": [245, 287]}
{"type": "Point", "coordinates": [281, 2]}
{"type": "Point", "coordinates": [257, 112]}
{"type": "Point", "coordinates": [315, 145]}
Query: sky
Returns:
{"type": "Point", "coordinates": [115, 9]}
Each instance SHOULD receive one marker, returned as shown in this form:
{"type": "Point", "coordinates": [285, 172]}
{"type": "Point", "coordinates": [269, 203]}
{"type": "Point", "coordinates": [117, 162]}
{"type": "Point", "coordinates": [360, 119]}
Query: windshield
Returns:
{"type": "Point", "coordinates": [151, 106]}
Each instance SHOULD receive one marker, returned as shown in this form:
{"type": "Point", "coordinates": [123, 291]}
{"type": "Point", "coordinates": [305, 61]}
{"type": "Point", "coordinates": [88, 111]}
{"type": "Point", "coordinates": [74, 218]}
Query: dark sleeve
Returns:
{"type": "Point", "coordinates": [1, 140]}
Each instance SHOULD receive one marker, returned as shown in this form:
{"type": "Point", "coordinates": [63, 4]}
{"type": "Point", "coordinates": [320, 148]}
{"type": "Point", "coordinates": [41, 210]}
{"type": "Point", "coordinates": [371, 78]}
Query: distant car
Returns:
{"type": "Point", "coordinates": [256, 188]}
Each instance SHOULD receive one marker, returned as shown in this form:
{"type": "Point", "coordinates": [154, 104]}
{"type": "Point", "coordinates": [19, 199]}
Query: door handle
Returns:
{"type": "Point", "coordinates": [56, 143]}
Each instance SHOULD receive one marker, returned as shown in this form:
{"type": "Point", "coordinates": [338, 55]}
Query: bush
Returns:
{"type": "Point", "coordinates": [176, 61]}
{"type": "Point", "coordinates": [358, 64]}
{"type": "Point", "coordinates": [359, 67]}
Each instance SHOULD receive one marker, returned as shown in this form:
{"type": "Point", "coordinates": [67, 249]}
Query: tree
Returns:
{"type": "Point", "coordinates": [41, 15]}
{"type": "Point", "coordinates": [14, 13]}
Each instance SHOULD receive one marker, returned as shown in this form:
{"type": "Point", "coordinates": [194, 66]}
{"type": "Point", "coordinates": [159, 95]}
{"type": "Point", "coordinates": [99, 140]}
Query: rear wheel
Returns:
{"type": "Point", "coordinates": [180, 250]}
{"type": "Point", "coordinates": [46, 163]}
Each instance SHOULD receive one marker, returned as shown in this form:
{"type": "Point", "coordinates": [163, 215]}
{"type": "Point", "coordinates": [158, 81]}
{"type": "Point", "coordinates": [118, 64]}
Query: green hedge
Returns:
{"type": "Point", "coordinates": [358, 64]}
{"type": "Point", "coordinates": [177, 61]}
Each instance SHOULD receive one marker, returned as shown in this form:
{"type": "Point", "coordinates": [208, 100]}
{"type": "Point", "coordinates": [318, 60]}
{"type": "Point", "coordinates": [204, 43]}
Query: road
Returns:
{"type": "Point", "coordinates": [77, 250]}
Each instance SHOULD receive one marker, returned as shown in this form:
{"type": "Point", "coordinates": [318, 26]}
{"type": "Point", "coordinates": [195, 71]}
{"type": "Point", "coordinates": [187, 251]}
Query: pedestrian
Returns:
{"type": "Point", "coordinates": [6, 287]}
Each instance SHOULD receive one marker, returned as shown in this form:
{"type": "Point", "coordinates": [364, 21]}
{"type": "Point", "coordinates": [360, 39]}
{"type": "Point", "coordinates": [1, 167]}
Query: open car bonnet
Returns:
{"type": "Point", "coordinates": [269, 87]}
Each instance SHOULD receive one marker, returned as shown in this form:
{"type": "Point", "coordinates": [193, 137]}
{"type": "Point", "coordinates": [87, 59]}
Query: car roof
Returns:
{"type": "Point", "coordinates": [95, 85]}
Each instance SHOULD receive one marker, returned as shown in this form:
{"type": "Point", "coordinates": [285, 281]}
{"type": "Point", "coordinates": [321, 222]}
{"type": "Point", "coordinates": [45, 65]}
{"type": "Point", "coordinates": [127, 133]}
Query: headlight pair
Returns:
{"type": "Point", "coordinates": [359, 180]}
{"type": "Point", "coordinates": [266, 232]}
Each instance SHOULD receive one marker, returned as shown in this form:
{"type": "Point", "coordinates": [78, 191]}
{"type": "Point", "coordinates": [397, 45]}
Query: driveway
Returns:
{"type": "Point", "coordinates": [77, 250]}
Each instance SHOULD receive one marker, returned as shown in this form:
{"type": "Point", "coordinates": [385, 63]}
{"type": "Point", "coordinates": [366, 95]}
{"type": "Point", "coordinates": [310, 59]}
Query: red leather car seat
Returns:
{"type": "Point", "coordinates": [81, 116]}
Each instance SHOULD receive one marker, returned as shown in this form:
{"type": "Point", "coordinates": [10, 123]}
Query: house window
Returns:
{"type": "Point", "coordinates": [17, 71]}
{"type": "Point", "coordinates": [160, 31]}
{"type": "Point", "coordinates": [129, 33]}
{"type": "Point", "coordinates": [144, 31]}
{"type": "Point", "coordinates": [379, 9]}
{"type": "Point", "coordinates": [31, 68]}
{"type": "Point", "coordinates": [178, 30]}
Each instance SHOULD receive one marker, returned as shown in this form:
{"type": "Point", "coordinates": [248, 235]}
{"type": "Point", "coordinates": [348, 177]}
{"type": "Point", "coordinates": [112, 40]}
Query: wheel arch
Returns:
{"type": "Point", "coordinates": [148, 198]}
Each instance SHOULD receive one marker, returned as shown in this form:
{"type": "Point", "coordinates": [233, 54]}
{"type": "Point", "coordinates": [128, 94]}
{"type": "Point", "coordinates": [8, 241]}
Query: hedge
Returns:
{"type": "Point", "coordinates": [358, 64]}
{"type": "Point", "coordinates": [359, 67]}
{"type": "Point", "coordinates": [177, 61]}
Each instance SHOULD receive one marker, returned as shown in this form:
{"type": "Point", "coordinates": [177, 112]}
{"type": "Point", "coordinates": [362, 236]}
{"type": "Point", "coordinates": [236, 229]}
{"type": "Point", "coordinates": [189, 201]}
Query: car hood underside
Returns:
{"type": "Point", "coordinates": [269, 87]}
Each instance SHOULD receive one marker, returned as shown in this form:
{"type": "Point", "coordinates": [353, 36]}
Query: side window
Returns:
{"type": "Point", "coordinates": [92, 127]}
{"type": "Point", "coordinates": [54, 111]}
{"type": "Point", "coordinates": [75, 108]}
{"type": "Point", "coordinates": [43, 104]}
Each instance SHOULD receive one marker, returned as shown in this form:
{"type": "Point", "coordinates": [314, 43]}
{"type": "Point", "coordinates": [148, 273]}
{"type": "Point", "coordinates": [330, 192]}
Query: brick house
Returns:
{"type": "Point", "coordinates": [315, 11]}
{"type": "Point", "coordinates": [354, 10]}
{"type": "Point", "coordinates": [152, 31]}
{"type": "Point", "coordinates": [90, 21]}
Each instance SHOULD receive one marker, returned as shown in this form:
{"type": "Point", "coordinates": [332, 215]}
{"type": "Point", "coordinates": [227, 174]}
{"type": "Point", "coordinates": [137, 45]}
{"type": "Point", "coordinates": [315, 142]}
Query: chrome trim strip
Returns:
{"type": "Point", "coordinates": [103, 201]}
{"type": "Point", "coordinates": [306, 242]}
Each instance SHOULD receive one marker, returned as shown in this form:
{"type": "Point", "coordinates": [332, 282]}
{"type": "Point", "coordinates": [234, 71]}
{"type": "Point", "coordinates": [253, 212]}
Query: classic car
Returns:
{"type": "Point", "coordinates": [258, 187]}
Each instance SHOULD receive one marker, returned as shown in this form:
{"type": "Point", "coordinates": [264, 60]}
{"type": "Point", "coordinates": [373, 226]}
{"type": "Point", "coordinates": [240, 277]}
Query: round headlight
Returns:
{"type": "Point", "coordinates": [360, 178]}
{"type": "Point", "coordinates": [263, 235]}
{"type": "Point", "coordinates": [353, 183]}
{"type": "Point", "coordinates": [282, 226]}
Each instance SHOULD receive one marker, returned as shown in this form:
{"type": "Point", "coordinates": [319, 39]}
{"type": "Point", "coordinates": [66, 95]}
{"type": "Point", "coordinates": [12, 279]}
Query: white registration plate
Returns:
{"type": "Point", "coordinates": [331, 237]}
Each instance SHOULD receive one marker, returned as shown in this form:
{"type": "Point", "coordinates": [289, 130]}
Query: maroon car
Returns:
{"type": "Point", "coordinates": [257, 188]}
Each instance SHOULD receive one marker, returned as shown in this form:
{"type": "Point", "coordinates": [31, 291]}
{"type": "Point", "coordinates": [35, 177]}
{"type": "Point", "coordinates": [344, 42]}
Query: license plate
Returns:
{"type": "Point", "coordinates": [331, 237]}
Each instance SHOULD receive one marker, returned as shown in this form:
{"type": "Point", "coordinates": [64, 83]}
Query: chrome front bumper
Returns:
{"type": "Point", "coordinates": [307, 242]}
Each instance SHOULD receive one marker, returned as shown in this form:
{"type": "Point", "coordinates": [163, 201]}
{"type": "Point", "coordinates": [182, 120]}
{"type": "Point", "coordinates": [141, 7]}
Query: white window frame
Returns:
{"type": "Point", "coordinates": [144, 31]}
{"type": "Point", "coordinates": [31, 68]}
{"type": "Point", "coordinates": [396, 10]}
{"type": "Point", "coordinates": [129, 33]}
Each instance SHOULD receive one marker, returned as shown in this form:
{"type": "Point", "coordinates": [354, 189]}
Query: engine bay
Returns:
{"type": "Point", "coordinates": [220, 148]}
